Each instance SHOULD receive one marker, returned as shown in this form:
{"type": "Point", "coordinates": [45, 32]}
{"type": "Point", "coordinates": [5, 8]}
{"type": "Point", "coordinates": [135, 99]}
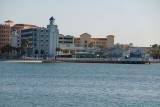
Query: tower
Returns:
{"type": "Point", "coordinates": [53, 34]}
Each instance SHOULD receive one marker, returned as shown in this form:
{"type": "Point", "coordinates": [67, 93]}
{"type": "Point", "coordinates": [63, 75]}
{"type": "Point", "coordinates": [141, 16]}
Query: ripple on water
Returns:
{"type": "Point", "coordinates": [79, 85]}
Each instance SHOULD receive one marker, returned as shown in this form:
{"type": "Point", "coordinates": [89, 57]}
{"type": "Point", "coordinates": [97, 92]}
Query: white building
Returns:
{"type": "Point", "coordinates": [41, 41]}
{"type": "Point", "coordinates": [15, 39]}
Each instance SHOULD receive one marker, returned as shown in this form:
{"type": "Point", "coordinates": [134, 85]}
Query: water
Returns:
{"type": "Point", "coordinates": [79, 85]}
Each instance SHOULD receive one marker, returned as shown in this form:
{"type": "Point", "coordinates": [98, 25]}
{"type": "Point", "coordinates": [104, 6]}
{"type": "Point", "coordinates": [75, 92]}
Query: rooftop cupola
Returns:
{"type": "Point", "coordinates": [52, 20]}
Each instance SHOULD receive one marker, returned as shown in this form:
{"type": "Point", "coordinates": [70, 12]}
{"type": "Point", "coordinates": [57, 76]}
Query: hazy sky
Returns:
{"type": "Point", "coordinates": [136, 21]}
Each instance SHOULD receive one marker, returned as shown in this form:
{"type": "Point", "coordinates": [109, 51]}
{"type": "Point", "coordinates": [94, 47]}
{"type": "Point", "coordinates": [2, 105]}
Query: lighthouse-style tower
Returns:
{"type": "Point", "coordinates": [53, 38]}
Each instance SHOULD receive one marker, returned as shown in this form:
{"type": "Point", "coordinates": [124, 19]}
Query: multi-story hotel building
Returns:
{"type": "Point", "coordinates": [15, 39]}
{"type": "Point", "coordinates": [41, 41]}
{"type": "Point", "coordinates": [5, 32]}
{"type": "Point", "coordinates": [85, 40]}
{"type": "Point", "coordinates": [10, 33]}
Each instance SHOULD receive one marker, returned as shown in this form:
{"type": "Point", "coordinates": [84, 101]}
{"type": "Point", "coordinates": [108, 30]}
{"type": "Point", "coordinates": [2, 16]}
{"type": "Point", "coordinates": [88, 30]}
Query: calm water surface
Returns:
{"type": "Point", "coordinates": [79, 85]}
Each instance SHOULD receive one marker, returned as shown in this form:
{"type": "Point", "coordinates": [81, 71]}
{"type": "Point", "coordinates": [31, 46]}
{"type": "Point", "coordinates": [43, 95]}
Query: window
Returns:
{"type": "Point", "coordinates": [35, 44]}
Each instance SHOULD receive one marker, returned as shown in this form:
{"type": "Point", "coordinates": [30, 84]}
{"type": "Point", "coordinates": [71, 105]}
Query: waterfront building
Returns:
{"type": "Point", "coordinates": [66, 41]}
{"type": "Point", "coordinates": [99, 42]}
{"type": "Point", "coordinates": [66, 45]}
{"type": "Point", "coordinates": [85, 40]}
{"type": "Point", "coordinates": [5, 32]}
{"type": "Point", "coordinates": [15, 38]}
{"type": "Point", "coordinates": [110, 41]}
{"type": "Point", "coordinates": [41, 41]}
{"type": "Point", "coordinates": [19, 27]}
{"type": "Point", "coordinates": [35, 41]}
{"type": "Point", "coordinates": [139, 51]}
{"type": "Point", "coordinates": [10, 33]}
{"type": "Point", "coordinates": [77, 42]}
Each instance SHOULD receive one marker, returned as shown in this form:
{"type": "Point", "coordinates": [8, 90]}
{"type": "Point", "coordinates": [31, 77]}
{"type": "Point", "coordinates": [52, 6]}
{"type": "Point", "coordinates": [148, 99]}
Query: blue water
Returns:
{"type": "Point", "coordinates": [79, 85]}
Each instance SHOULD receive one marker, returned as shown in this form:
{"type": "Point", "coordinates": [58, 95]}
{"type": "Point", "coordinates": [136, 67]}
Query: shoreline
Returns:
{"type": "Point", "coordinates": [76, 60]}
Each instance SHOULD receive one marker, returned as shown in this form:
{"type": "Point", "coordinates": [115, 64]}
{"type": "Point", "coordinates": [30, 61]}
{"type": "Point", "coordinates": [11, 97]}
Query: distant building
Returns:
{"type": "Point", "coordinates": [66, 41]}
{"type": "Point", "coordinates": [66, 45]}
{"type": "Point", "coordinates": [35, 42]}
{"type": "Point", "coordinates": [40, 41]}
{"type": "Point", "coordinates": [85, 40]}
{"type": "Point", "coordinates": [23, 26]}
{"type": "Point", "coordinates": [139, 51]}
{"type": "Point", "coordinates": [15, 39]}
{"type": "Point", "coordinates": [10, 33]}
{"type": "Point", "coordinates": [77, 42]}
{"type": "Point", "coordinates": [110, 41]}
{"type": "Point", "coordinates": [98, 42]}
{"type": "Point", "coordinates": [5, 33]}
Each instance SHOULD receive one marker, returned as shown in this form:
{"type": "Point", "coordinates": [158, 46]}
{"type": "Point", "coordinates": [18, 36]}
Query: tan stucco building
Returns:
{"type": "Point", "coordinates": [5, 31]}
{"type": "Point", "coordinates": [86, 40]}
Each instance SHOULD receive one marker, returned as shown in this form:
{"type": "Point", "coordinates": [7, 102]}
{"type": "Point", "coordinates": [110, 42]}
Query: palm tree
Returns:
{"type": "Point", "coordinates": [8, 50]}
{"type": "Point", "coordinates": [25, 45]}
{"type": "Point", "coordinates": [58, 50]}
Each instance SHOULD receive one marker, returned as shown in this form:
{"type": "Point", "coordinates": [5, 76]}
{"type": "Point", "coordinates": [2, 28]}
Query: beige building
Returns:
{"type": "Point", "coordinates": [86, 40]}
{"type": "Point", "coordinates": [10, 33]}
{"type": "Point", "coordinates": [110, 41]}
{"type": "Point", "coordinates": [5, 32]}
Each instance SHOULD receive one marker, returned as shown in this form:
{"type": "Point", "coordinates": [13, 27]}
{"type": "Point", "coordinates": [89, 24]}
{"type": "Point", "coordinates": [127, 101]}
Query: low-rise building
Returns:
{"type": "Point", "coordinates": [66, 41]}
{"type": "Point", "coordinates": [66, 45]}
{"type": "Point", "coordinates": [85, 40]}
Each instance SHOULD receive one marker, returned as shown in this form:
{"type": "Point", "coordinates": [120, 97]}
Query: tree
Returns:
{"type": "Point", "coordinates": [25, 43]}
{"type": "Point", "coordinates": [155, 51]}
{"type": "Point", "coordinates": [8, 50]}
{"type": "Point", "coordinates": [58, 50]}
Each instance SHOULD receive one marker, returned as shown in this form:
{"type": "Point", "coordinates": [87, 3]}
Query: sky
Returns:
{"type": "Point", "coordinates": [131, 21]}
